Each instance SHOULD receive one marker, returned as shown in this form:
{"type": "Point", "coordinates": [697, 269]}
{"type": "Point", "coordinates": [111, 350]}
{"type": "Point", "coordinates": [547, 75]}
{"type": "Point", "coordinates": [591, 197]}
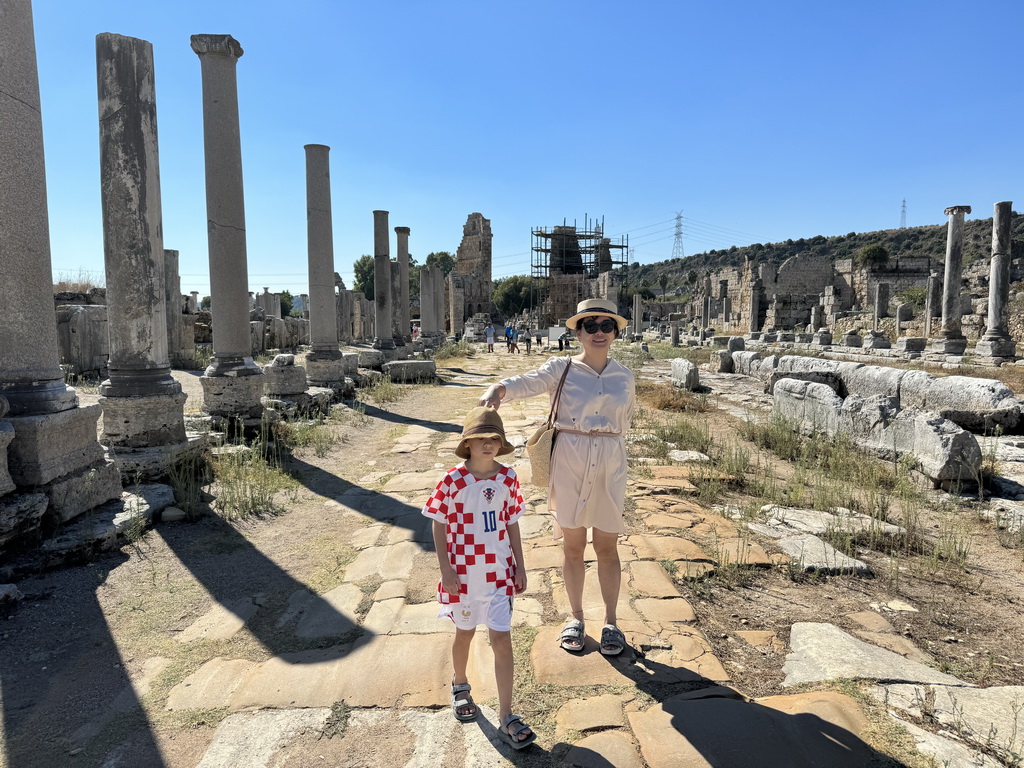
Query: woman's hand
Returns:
{"type": "Point", "coordinates": [492, 396]}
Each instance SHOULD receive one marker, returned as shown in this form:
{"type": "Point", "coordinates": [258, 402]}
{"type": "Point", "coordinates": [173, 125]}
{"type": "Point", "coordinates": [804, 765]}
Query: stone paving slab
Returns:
{"type": "Point", "coordinates": [715, 732]}
{"type": "Point", "coordinates": [383, 614]}
{"type": "Point", "coordinates": [253, 739]}
{"type": "Point", "coordinates": [825, 652]}
{"type": "Point", "coordinates": [688, 658]}
{"type": "Point", "coordinates": [945, 751]}
{"type": "Point", "coordinates": [741, 551]}
{"type": "Point", "coordinates": [666, 548]}
{"type": "Point", "coordinates": [904, 646]}
{"type": "Point", "coordinates": [331, 613]}
{"type": "Point", "coordinates": [610, 749]}
{"type": "Point", "coordinates": [665, 520]}
{"type": "Point", "coordinates": [554, 666]}
{"type": "Point", "coordinates": [810, 553]}
{"type": "Point", "coordinates": [985, 716]}
{"type": "Point", "coordinates": [649, 579]}
{"type": "Point", "coordinates": [421, 619]}
{"type": "Point", "coordinates": [665, 610]}
{"type": "Point", "coordinates": [597, 712]}
{"type": "Point", "coordinates": [543, 556]}
{"type": "Point", "coordinates": [220, 622]}
{"type": "Point", "coordinates": [389, 563]}
{"type": "Point", "coordinates": [762, 638]}
{"type": "Point", "coordinates": [366, 537]}
{"type": "Point", "coordinates": [210, 686]}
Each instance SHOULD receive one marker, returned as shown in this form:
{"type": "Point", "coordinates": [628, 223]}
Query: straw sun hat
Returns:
{"type": "Point", "coordinates": [483, 422]}
{"type": "Point", "coordinates": [596, 307]}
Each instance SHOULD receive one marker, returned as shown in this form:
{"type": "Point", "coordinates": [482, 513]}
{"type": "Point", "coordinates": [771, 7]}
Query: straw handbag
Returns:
{"type": "Point", "coordinates": [542, 442]}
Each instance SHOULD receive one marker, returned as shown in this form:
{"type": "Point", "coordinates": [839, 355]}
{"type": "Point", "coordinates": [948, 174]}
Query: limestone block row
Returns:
{"type": "Point", "coordinates": [942, 451]}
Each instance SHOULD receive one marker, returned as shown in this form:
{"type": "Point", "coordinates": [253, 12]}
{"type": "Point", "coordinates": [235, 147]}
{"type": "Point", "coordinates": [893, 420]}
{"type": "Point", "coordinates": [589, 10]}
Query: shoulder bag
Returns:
{"type": "Point", "coordinates": [542, 442]}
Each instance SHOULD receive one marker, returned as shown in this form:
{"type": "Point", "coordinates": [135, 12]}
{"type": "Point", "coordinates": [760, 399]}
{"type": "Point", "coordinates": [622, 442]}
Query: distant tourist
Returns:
{"type": "Point", "coordinates": [489, 331]}
{"type": "Point", "coordinates": [514, 348]}
{"type": "Point", "coordinates": [528, 339]}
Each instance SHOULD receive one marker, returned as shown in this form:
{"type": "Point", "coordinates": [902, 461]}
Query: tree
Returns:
{"type": "Point", "coordinates": [871, 256]}
{"type": "Point", "coordinates": [441, 259]}
{"type": "Point", "coordinates": [511, 295]}
{"type": "Point", "coordinates": [287, 302]}
{"type": "Point", "coordinates": [663, 282]}
{"type": "Point", "coordinates": [363, 269]}
{"type": "Point", "coordinates": [414, 277]}
{"type": "Point", "coordinates": [205, 303]}
{"type": "Point", "coordinates": [691, 277]}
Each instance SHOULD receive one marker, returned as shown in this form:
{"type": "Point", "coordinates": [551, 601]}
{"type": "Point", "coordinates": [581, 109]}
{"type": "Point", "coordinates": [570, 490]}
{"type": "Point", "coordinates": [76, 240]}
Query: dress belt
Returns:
{"type": "Point", "coordinates": [591, 433]}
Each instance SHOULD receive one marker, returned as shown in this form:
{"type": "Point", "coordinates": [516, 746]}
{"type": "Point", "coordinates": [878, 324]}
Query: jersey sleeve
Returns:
{"type": "Point", "coordinates": [436, 507]}
{"type": "Point", "coordinates": [515, 498]}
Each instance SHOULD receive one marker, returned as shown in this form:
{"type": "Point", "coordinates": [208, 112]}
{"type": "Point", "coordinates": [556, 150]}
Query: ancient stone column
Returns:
{"type": "Point", "coordinates": [193, 302]}
{"type": "Point", "coordinates": [54, 455]}
{"type": "Point", "coordinates": [324, 365]}
{"type": "Point", "coordinates": [396, 309]}
{"type": "Point", "coordinates": [403, 276]}
{"type": "Point", "coordinates": [638, 315]}
{"type": "Point", "coordinates": [754, 311]}
{"type": "Point", "coordinates": [143, 419]}
{"type": "Point", "coordinates": [172, 303]}
{"type": "Point", "coordinates": [345, 316]}
{"type": "Point", "coordinates": [931, 300]}
{"type": "Point", "coordinates": [997, 342]}
{"type": "Point", "coordinates": [952, 341]}
{"type": "Point", "coordinates": [431, 301]}
{"type": "Point", "coordinates": [881, 304]}
{"type": "Point", "coordinates": [231, 385]}
{"type": "Point", "coordinates": [384, 337]}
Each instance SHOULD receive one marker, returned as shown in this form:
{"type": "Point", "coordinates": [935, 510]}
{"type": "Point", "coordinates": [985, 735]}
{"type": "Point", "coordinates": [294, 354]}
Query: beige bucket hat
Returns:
{"type": "Point", "coordinates": [483, 422]}
{"type": "Point", "coordinates": [596, 307]}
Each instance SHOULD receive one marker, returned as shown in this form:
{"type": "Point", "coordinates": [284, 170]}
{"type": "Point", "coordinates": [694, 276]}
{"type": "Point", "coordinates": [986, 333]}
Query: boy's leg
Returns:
{"type": "Point", "coordinates": [460, 653]}
{"type": "Point", "coordinates": [501, 646]}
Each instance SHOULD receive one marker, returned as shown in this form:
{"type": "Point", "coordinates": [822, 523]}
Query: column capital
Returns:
{"type": "Point", "coordinates": [955, 209]}
{"type": "Point", "coordinates": [402, 230]}
{"type": "Point", "coordinates": [308, 147]}
{"type": "Point", "coordinates": [221, 45]}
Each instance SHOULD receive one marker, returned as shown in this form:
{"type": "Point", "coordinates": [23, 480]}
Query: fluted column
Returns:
{"type": "Point", "coordinates": [225, 207]}
{"type": "Point", "coordinates": [384, 337]}
{"type": "Point", "coordinates": [404, 305]}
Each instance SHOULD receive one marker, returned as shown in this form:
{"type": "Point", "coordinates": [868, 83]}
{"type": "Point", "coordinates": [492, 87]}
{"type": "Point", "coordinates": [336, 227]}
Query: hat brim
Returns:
{"type": "Point", "coordinates": [462, 450]}
{"type": "Point", "coordinates": [573, 321]}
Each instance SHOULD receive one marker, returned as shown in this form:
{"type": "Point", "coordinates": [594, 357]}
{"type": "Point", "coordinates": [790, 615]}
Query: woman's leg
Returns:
{"type": "Point", "coordinates": [574, 543]}
{"type": "Point", "coordinates": [609, 571]}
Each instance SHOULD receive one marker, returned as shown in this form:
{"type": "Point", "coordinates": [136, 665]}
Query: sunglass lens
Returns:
{"type": "Point", "coordinates": [592, 326]}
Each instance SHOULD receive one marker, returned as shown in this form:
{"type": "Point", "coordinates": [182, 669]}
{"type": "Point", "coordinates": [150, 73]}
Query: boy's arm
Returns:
{"type": "Point", "coordinates": [516, 542]}
{"type": "Point", "coordinates": [449, 578]}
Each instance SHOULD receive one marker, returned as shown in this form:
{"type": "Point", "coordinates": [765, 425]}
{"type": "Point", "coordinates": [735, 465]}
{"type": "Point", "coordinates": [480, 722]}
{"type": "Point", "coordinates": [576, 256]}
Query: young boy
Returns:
{"type": "Point", "coordinates": [475, 510]}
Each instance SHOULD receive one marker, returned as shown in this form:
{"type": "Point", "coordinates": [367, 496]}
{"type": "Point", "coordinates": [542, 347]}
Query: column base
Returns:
{"type": "Point", "coordinates": [151, 463]}
{"type": "Point", "coordinates": [1006, 348]}
{"type": "Point", "coordinates": [948, 346]}
{"type": "Point", "coordinates": [383, 343]}
{"type": "Point", "coordinates": [28, 398]}
{"type": "Point", "coordinates": [284, 380]}
{"type": "Point", "coordinates": [822, 339]}
{"type": "Point", "coordinates": [75, 493]}
{"type": "Point", "coordinates": [233, 397]}
{"type": "Point", "coordinates": [233, 367]}
{"type": "Point", "coordinates": [876, 340]}
{"type": "Point", "coordinates": [49, 446]}
{"type": "Point", "coordinates": [139, 383]}
{"type": "Point", "coordinates": [141, 422]}
{"type": "Point", "coordinates": [911, 344]}
{"type": "Point", "coordinates": [325, 373]}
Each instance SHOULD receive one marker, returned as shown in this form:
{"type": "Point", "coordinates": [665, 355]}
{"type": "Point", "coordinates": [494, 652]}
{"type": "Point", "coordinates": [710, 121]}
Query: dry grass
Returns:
{"type": "Point", "coordinates": [665, 397]}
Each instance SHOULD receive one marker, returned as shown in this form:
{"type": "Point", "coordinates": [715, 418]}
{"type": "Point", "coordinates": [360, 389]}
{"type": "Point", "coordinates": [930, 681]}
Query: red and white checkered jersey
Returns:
{"type": "Point", "coordinates": [475, 514]}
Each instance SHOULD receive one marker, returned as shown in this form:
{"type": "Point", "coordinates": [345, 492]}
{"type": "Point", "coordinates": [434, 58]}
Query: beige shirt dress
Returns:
{"type": "Point", "coordinates": [588, 473]}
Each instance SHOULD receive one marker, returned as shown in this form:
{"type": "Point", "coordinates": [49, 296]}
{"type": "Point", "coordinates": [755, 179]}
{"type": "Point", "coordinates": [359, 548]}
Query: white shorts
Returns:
{"type": "Point", "coordinates": [493, 612]}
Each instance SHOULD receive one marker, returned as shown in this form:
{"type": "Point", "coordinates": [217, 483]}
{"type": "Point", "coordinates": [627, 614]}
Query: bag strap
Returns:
{"type": "Point", "coordinates": [553, 414]}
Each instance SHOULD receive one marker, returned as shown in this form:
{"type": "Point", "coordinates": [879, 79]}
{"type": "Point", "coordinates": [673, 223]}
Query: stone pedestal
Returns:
{"type": "Point", "coordinates": [1005, 349]}
{"type": "Point", "coordinates": [948, 346]}
{"type": "Point", "coordinates": [852, 340]}
{"type": "Point", "coordinates": [822, 338]}
{"type": "Point", "coordinates": [876, 340]}
{"type": "Point", "coordinates": [57, 454]}
{"type": "Point", "coordinates": [911, 344]}
{"type": "Point", "coordinates": [232, 396]}
{"type": "Point", "coordinates": [325, 373]}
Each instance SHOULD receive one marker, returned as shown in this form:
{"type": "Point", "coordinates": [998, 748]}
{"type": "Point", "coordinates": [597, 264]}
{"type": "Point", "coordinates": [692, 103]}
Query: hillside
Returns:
{"type": "Point", "coordinates": [911, 241]}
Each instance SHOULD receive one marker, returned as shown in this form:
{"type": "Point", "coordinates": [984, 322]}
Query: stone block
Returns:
{"type": "Point", "coordinates": [736, 344]}
{"type": "Point", "coordinates": [873, 380]}
{"type": "Point", "coordinates": [20, 514]}
{"type": "Point", "coordinates": [978, 405]}
{"type": "Point", "coordinates": [996, 348]}
{"type": "Point", "coordinates": [48, 446]}
{"type": "Point", "coordinates": [852, 340]}
{"type": "Point", "coordinates": [822, 339]}
{"type": "Point", "coordinates": [910, 343]}
{"type": "Point", "coordinates": [6, 436]}
{"type": "Point", "coordinates": [804, 338]}
{"type": "Point", "coordinates": [325, 373]}
{"type": "Point", "coordinates": [139, 422]}
{"type": "Point", "coordinates": [82, 338]}
{"type": "Point", "coordinates": [877, 341]}
{"type": "Point", "coordinates": [742, 362]}
{"type": "Point", "coordinates": [284, 379]}
{"type": "Point", "coordinates": [720, 341]}
{"type": "Point", "coordinates": [721, 361]}
{"type": "Point", "coordinates": [411, 371]}
{"type": "Point", "coordinates": [948, 346]}
{"type": "Point", "coordinates": [813, 406]}
{"type": "Point", "coordinates": [232, 396]}
{"type": "Point", "coordinates": [684, 374]}
{"type": "Point", "coordinates": [828, 378]}
{"type": "Point", "coordinates": [78, 492]}
{"type": "Point", "coordinates": [371, 358]}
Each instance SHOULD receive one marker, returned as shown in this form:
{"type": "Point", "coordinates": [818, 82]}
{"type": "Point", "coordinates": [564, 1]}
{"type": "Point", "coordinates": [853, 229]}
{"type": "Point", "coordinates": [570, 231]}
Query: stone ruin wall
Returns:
{"type": "Point", "coordinates": [469, 286]}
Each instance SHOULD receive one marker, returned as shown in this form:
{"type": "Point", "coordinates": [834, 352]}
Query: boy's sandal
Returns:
{"type": "Point", "coordinates": [512, 732]}
{"type": "Point", "coordinates": [462, 702]}
{"type": "Point", "coordinates": [571, 638]}
{"type": "Point", "coordinates": [612, 640]}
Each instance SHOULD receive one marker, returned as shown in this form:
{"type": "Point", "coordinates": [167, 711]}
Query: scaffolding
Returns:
{"type": "Point", "coordinates": [565, 255]}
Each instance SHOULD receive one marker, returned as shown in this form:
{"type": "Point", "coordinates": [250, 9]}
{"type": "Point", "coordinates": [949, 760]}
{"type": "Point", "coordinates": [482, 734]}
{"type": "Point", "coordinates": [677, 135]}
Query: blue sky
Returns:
{"type": "Point", "coordinates": [760, 121]}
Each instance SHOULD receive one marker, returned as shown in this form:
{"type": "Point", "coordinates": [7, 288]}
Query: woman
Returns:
{"type": "Point", "coordinates": [588, 466]}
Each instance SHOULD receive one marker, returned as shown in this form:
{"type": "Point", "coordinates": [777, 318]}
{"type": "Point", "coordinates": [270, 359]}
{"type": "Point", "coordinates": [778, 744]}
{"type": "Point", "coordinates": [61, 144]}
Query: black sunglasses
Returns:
{"type": "Point", "coordinates": [606, 326]}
